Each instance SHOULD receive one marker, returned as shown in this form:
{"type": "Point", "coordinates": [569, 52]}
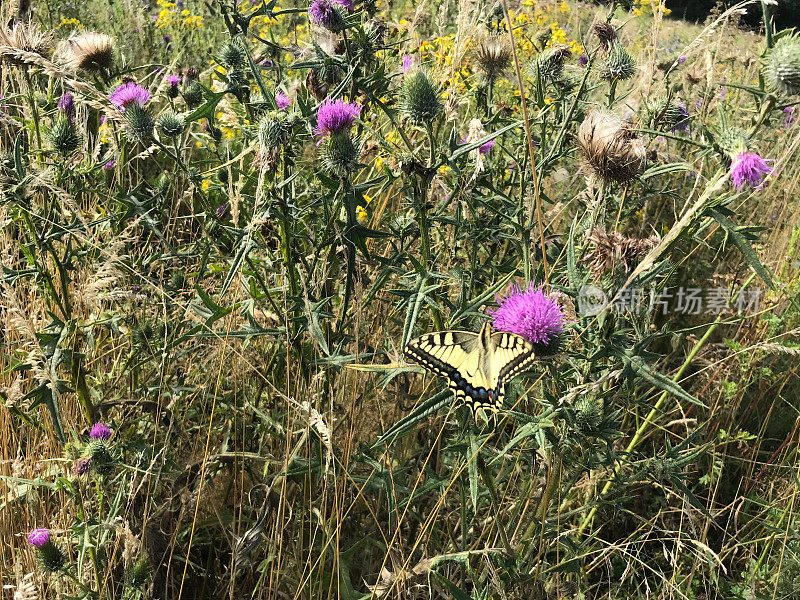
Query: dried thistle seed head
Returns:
{"type": "Point", "coordinates": [610, 149]}
{"type": "Point", "coordinates": [24, 38]}
{"type": "Point", "coordinates": [614, 250]}
{"type": "Point", "coordinates": [419, 98]}
{"type": "Point", "coordinates": [782, 69]}
{"type": "Point", "coordinates": [618, 65]}
{"type": "Point", "coordinates": [493, 55]}
{"type": "Point", "coordinates": [316, 85]}
{"type": "Point", "coordinates": [550, 63]}
{"type": "Point", "coordinates": [91, 51]}
{"type": "Point", "coordinates": [606, 33]}
{"type": "Point", "coordinates": [64, 136]}
{"type": "Point", "coordinates": [170, 124]}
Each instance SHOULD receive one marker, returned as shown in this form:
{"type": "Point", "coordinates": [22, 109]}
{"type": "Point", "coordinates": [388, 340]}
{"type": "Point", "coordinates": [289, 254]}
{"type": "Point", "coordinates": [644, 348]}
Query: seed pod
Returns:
{"type": "Point", "coordinates": [493, 56]}
{"type": "Point", "coordinates": [606, 33]}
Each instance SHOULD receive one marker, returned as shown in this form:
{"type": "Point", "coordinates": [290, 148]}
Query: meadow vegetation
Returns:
{"type": "Point", "coordinates": [223, 221]}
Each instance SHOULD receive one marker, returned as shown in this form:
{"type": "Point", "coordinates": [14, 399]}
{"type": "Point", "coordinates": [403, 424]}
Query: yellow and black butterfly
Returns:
{"type": "Point", "coordinates": [477, 365]}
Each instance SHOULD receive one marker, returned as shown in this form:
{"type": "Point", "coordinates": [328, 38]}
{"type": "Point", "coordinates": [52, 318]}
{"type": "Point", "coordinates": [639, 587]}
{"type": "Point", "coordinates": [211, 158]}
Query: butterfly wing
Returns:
{"type": "Point", "coordinates": [512, 355]}
{"type": "Point", "coordinates": [445, 353]}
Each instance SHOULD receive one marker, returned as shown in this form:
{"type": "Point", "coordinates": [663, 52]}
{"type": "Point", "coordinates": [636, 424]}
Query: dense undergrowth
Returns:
{"type": "Point", "coordinates": [222, 222]}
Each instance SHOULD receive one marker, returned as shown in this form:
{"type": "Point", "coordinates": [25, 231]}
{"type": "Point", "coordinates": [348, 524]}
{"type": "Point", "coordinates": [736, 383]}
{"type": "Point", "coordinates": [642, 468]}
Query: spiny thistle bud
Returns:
{"type": "Point", "coordinates": [272, 130]}
{"type": "Point", "coordinates": [170, 124]}
{"type": "Point", "coordinates": [662, 469]}
{"type": "Point", "coordinates": [669, 116]}
{"type": "Point", "coordinates": [232, 55]}
{"type": "Point", "coordinates": [64, 136]}
{"type": "Point", "coordinates": [618, 65]}
{"type": "Point", "coordinates": [139, 573]}
{"type": "Point", "coordinates": [588, 414]}
{"type": "Point", "coordinates": [340, 153]}
{"type": "Point", "coordinates": [606, 33]}
{"type": "Point", "coordinates": [51, 558]}
{"type": "Point", "coordinates": [550, 63]}
{"type": "Point", "coordinates": [419, 98]}
{"type": "Point", "coordinates": [493, 56]}
{"type": "Point", "coordinates": [733, 140]}
{"type": "Point", "coordinates": [782, 69]}
{"type": "Point", "coordinates": [140, 123]}
{"type": "Point", "coordinates": [102, 456]}
{"type": "Point", "coordinates": [610, 149]}
{"type": "Point", "coordinates": [71, 451]}
{"type": "Point", "coordinates": [193, 93]}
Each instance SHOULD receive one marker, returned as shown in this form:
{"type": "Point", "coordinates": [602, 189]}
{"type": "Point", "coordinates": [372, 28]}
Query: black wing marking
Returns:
{"type": "Point", "coordinates": [521, 355]}
{"type": "Point", "coordinates": [434, 351]}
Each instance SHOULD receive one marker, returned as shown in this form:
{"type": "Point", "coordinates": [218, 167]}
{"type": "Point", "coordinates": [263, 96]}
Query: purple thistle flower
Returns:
{"type": "Point", "coordinates": [100, 431]}
{"type": "Point", "coordinates": [748, 169]}
{"type": "Point", "coordinates": [174, 80]}
{"type": "Point", "coordinates": [681, 59]}
{"type": "Point", "coordinates": [109, 165]}
{"type": "Point", "coordinates": [128, 94]}
{"type": "Point", "coordinates": [335, 115]}
{"type": "Point", "coordinates": [283, 101]}
{"type": "Point", "coordinates": [67, 105]}
{"type": "Point", "coordinates": [326, 12]}
{"type": "Point", "coordinates": [408, 63]}
{"type": "Point", "coordinates": [583, 60]}
{"type": "Point", "coordinates": [532, 313]}
{"type": "Point", "coordinates": [788, 120]}
{"type": "Point", "coordinates": [39, 537]}
{"type": "Point", "coordinates": [485, 148]}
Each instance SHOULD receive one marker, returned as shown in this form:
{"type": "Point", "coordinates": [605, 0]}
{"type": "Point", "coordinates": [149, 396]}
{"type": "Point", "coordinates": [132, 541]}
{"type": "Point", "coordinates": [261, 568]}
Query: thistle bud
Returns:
{"type": "Point", "coordinates": [102, 456]}
{"type": "Point", "coordinates": [610, 149]}
{"type": "Point", "coordinates": [550, 63]}
{"type": "Point", "coordinates": [733, 140]}
{"type": "Point", "coordinates": [588, 414]}
{"type": "Point", "coordinates": [340, 153]}
{"type": "Point", "coordinates": [618, 65]}
{"type": "Point", "coordinates": [139, 573]}
{"type": "Point", "coordinates": [51, 558]}
{"type": "Point", "coordinates": [232, 55]}
{"type": "Point", "coordinates": [271, 131]}
{"type": "Point", "coordinates": [419, 98]}
{"type": "Point", "coordinates": [192, 93]}
{"type": "Point", "coordinates": [140, 123]}
{"type": "Point", "coordinates": [64, 136]}
{"type": "Point", "coordinates": [170, 124]}
{"type": "Point", "coordinates": [782, 69]}
{"type": "Point", "coordinates": [668, 115]}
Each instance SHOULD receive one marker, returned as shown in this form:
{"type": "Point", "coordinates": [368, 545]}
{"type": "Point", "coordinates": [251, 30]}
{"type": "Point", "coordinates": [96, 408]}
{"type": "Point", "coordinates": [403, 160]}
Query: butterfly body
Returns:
{"type": "Point", "coordinates": [477, 366]}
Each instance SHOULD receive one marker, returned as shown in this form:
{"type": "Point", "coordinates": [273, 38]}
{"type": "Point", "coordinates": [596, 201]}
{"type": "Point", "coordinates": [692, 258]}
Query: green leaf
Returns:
{"type": "Point", "coordinates": [212, 99]}
{"type": "Point", "coordinates": [636, 365]}
{"type": "Point", "coordinates": [245, 246]}
{"type": "Point", "coordinates": [737, 236]}
{"type": "Point", "coordinates": [472, 468]}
